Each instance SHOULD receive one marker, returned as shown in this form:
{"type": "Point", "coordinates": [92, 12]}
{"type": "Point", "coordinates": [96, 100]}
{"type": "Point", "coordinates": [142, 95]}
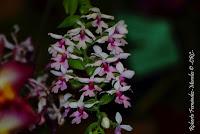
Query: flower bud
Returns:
{"type": "Point", "coordinates": [105, 123]}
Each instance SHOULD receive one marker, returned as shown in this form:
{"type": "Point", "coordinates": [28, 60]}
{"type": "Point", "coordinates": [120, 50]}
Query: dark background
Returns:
{"type": "Point", "coordinates": [161, 34]}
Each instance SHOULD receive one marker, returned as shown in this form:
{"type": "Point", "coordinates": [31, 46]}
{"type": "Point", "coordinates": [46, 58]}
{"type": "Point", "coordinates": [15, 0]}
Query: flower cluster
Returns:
{"type": "Point", "coordinates": [87, 66]}
{"type": "Point", "coordinates": [21, 52]}
{"type": "Point", "coordinates": [15, 112]}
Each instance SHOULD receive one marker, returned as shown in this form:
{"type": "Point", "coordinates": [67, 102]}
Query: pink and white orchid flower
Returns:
{"type": "Point", "coordinates": [20, 51]}
{"type": "Point", "coordinates": [61, 60]}
{"type": "Point", "coordinates": [89, 90]}
{"type": "Point", "coordinates": [119, 127]}
{"type": "Point", "coordinates": [65, 103]}
{"type": "Point", "coordinates": [104, 57]}
{"type": "Point", "coordinates": [61, 83]}
{"type": "Point", "coordinates": [120, 98]}
{"type": "Point", "coordinates": [98, 22]}
{"type": "Point", "coordinates": [62, 43]}
{"type": "Point", "coordinates": [123, 73]}
{"type": "Point", "coordinates": [82, 35]}
{"type": "Point", "coordinates": [80, 113]}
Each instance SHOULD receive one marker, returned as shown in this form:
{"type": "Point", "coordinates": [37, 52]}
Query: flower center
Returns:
{"type": "Point", "coordinates": [106, 67]}
{"type": "Point", "coordinates": [62, 43]}
{"type": "Point", "coordinates": [91, 86]}
{"type": "Point", "coordinates": [98, 19]}
{"type": "Point", "coordinates": [82, 34]}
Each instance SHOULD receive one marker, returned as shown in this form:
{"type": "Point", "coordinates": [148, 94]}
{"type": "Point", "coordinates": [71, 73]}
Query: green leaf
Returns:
{"type": "Point", "coordinates": [105, 99]}
{"type": "Point", "coordinates": [65, 4]}
{"type": "Point", "coordinates": [76, 64]}
{"type": "Point", "coordinates": [75, 84]}
{"type": "Point", "coordinates": [91, 127]}
{"type": "Point", "coordinates": [73, 5]}
{"type": "Point", "coordinates": [84, 6]}
{"type": "Point", "coordinates": [90, 101]}
{"type": "Point", "coordinates": [90, 70]}
{"type": "Point", "coordinates": [69, 21]}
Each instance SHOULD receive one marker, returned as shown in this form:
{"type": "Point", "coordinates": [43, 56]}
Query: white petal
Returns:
{"type": "Point", "coordinates": [117, 85]}
{"type": "Point", "coordinates": [95, 9]}
{"type": "Point", "coordinates": [99, 80]}
{"type": "Point", "coordinates": [120, 67]}
{"type": "Point", "coordinates": [7, 43]}
{"type": "Point", "coordinates": [84, 80]}
{"type": "Point", "coordinates": [67, 96]}
{"type": "Point", "coordinates": [103, 55]}
{"type": "Point", "coordinates": [97, 70]}
{"type": "Point", "coordinates": [126, 127]}
{"type": "Point", "coordinates": [124, 55]}
{"type": "Point", "coordinates": [102, 39]}
{"type": "Point", "coordinates": [118, 118]}
{"type": "Point", "coordinates": [107, 16]}
{"type": "Point", "coordinates": [128, 74]}
{"type": "Point", "coordinates": [90, 34]}
{"type": "Point", "coordinates": [73, 105]}
{"type": "Point", "coordinates": [74, 31]}
{"type": "Point", "coordinates": [75, 57]}
{"type": "Point", "coordinates": [111, 92]}
{"type": "Point", "coordinates": [97, 49]}
{"type": "Point", "coordinates": [112, 59]}
{"type": "Point", "coordinates": [55, 36]}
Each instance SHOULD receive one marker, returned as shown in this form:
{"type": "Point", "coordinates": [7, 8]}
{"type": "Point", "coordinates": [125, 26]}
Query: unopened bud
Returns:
{"type": "Point", "coordinates": [105, 123]}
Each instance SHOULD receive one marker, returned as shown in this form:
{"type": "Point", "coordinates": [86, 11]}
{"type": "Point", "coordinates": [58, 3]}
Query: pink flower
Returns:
{"type": "Point", "coordinates": [108, 70]}
{"type": "Point", "coordinates": [89, 90]}
{"type": "Point", "coordinates": [120, 98]}
{"type": "Point", "coordinates": [60, 63]}
{"type": "Point", "coordinates": [82, 35]}
{"type": "Point", "coordinates": [59, 85]}
{"type": "Point", "coordinates": [119, 127]}
{"type": "Point", "coordinates": [123, 73]}
{"type": "Point", "coordinates": [118, 30]}
{"type": "Point", "coordinates": [62, 43]}
{"type": "Point", "coordinates": [98, 22]}
{"type": "Point", "coordinates": [20, 51]}
{"type": "Point", "coordinates": [65, 103]}
{"type": "Point", "coordinates": [80, 113]}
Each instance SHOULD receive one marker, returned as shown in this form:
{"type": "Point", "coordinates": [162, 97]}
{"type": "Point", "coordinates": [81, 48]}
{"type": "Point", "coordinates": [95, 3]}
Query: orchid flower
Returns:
{"type": "Point", "coordinates": [123, 73]}
{"type": "Point", "coordinates": [61, 44]}
{"type": "Point", "coordinates": [120, 98]}
{"type": "Point", "coordinates": [61, 60]}
{"type": "Point", "coordinates": [80, 113]}
{"type": "Point", "coordinates": [65, 103]}
{"type": "Point", "coordinates": [91, 87]}
{"type": "Point", "coordinates": [98, 22]}
{"type": "Point", "coordinates": [115, 38]}
{"type": "Point", "coordinates": [20, 51]}
{"type": "Point", "coordinates": [82, 35]}
{"type": "Point", "coordinates": [104, 57]}
{"type": "Point", "coordinates": [119, 127]}
{"type": "Point", "coordinates": [61, 82]}
{"type": "Point", "coordinates": [54, 113]}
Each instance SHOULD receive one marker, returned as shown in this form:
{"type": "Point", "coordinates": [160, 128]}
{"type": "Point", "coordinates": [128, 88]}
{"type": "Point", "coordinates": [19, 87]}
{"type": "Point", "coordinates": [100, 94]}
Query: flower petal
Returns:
{"type": "Point", "coordinates": [118, 118]}
{"type": "Point", "coordinates": [126, 127]}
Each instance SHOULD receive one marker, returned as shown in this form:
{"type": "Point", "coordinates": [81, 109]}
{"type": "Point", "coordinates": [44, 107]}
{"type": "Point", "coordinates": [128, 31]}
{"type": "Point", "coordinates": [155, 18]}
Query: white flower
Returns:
{"type": "Point", "coordinates": [82, 35]}
{"type": "Point", "coordinates": [98, 22]}
{"type": "Point", "coordinates": [118, 119]}
{"type": "Point", "coordinates": [105, 122]}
